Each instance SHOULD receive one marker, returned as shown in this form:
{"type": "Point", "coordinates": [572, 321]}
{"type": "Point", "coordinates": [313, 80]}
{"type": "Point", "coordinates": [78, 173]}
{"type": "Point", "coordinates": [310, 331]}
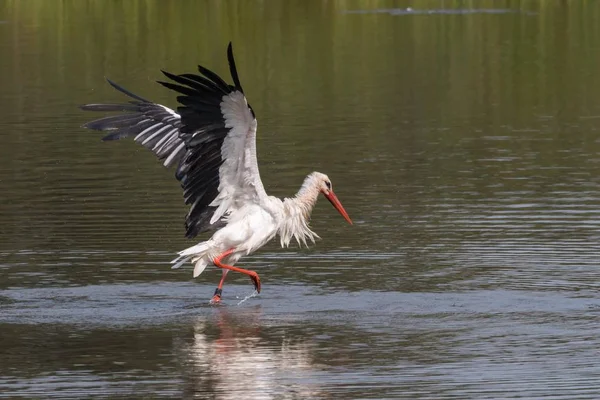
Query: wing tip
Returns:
{"type": "Point", "coordinates": [125, 91]}
{"type": "Point", "coordinates": [167, 74]}
{"type": "Point", "coordinates": [233, 69]}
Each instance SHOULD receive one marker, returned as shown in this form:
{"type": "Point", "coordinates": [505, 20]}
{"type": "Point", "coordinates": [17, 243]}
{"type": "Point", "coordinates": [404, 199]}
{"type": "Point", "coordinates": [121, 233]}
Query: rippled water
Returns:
{"type": "Point", "coordinates": [462, 142]}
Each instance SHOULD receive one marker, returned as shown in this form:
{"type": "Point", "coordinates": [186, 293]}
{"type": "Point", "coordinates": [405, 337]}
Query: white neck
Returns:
{"type": "Point", "coordinates": [297, 211]}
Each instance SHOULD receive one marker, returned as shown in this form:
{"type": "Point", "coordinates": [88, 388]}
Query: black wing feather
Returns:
{"type": "Point", "coordinates": [142, 120]}
{"type": "Point", "coordinates": [127, 92]}
{"type": "Point", "coordinates": [109, 107]}
{"type": "Point", "coordinates": [194, 81]}
{"type": "Point", "coordinates": [193, 137]}
{"type": "Point", "coordinates": [233, 69]}
{"type": "Point", "coordinates": [216, 79]}
{"type": "Point", "coordinates": [202, 80]}
{"type": "Point", "coordinates": [116, 122]}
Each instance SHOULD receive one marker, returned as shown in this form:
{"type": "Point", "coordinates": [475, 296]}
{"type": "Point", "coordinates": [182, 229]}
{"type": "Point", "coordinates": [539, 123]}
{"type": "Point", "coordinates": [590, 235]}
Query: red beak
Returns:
{"type": "Point", "coordinates": [338, 206]}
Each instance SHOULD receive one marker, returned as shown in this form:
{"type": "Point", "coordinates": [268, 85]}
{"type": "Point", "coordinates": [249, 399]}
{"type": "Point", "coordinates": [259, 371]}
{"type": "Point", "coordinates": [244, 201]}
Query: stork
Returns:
{"type": "Point", "coordinates": [211, 139]}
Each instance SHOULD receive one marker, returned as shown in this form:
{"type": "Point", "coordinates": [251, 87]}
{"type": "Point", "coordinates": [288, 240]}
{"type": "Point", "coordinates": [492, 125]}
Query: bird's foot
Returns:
{"type": "Point", "coordinates": [255, 280]}
{"type": "Point", "coordinates": [216, 299]}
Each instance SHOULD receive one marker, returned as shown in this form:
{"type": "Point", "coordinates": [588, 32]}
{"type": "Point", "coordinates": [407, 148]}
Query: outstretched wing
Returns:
{"type": "Point", "coordinates": [212, 137]}
{"type": "Point", "coordinates": [154, 126]}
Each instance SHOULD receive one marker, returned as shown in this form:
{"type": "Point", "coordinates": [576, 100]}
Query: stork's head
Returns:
{"type": "Point", "coordinates": [325, 187]}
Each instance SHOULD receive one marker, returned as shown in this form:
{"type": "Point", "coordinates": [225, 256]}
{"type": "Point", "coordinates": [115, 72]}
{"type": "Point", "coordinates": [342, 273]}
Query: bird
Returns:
{"type": "Point", "coordinates": [211, 141]}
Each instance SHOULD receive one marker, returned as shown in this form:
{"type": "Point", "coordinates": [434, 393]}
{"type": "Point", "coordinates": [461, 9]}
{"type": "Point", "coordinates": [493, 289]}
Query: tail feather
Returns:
{"type": "Point", "coordinates": [200, 266]}
{"type": "Point", "coordinates": [198, 249]}
{"type": "Point", "coordinates": [196, 254]}
{"type": "Point", "coordinates": [179, 261]}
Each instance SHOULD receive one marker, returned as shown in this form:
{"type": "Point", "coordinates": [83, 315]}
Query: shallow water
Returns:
{"type": "Point", "coordinates": [462, 142]}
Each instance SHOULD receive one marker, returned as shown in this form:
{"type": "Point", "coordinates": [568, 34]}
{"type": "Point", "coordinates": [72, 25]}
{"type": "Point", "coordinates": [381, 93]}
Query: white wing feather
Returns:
{"type": "Point", "coordinates": [239, 177]}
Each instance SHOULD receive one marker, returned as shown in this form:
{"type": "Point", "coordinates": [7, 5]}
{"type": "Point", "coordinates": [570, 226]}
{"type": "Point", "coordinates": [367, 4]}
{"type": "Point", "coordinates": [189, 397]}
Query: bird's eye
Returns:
{"type": "Point", "coordinates": [328, 184]}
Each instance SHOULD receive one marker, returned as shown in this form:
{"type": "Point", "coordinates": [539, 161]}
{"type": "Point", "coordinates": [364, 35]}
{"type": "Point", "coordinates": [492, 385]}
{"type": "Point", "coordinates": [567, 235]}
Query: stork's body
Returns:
{"type": "Point", "coordinates": [212, 139]}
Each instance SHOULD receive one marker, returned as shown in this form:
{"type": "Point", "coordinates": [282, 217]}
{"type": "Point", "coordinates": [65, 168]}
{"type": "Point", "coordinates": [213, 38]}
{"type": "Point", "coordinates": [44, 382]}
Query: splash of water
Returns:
{"type": "Point", "coordinates": [253, 294]}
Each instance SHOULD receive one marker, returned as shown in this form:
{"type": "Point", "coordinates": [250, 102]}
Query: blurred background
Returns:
{"type": "Point", "coordinates": [461, 137]}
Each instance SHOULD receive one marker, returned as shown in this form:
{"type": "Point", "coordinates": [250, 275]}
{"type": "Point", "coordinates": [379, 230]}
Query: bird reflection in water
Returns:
{"type": "Point", "coordinates": [234, 355]}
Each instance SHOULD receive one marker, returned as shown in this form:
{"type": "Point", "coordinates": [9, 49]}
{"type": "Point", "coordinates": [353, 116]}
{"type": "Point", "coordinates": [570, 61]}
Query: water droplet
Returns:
{"type": "Point", "coordinates": [254, 294]}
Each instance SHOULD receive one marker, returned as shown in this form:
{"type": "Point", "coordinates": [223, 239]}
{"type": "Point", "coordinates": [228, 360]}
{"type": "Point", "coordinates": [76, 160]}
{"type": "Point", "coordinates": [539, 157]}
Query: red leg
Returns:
{"type": "Point", "coordinates": [219, 290]}
{"type": "Point", "coordinates": [253, 275]}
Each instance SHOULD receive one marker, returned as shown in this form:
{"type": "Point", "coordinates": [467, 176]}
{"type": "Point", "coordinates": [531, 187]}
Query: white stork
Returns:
{"type": "Point", "coordinates": [212, 140]}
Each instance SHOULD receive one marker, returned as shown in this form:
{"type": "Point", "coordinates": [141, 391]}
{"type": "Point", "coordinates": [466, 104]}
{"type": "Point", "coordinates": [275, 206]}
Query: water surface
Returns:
{"type": "Point", "coordinates": [463, 142]}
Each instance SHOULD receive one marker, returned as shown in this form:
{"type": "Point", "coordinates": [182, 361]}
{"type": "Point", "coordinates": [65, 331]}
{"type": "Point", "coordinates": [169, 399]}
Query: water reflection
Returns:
{"type": "Point", "coordinates": [231, 358]}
